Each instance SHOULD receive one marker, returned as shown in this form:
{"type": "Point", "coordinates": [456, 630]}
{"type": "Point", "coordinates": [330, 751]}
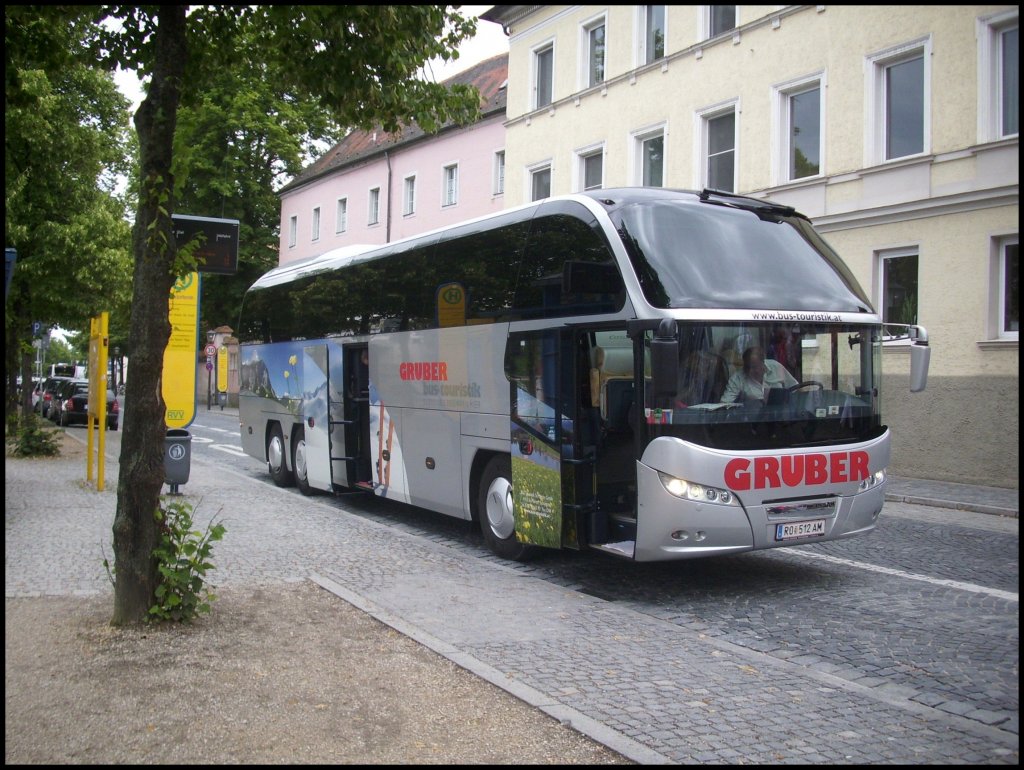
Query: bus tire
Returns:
{"type": "Point", "coordinates": [299, 462]}
{"type": "Point", "coordinates": [494, 507]}
{"type": "Point", "coordinates": [276, 462]}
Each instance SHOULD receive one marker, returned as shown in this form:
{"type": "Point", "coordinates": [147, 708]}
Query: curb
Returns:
{"type": "Point", "coordinates": [996, 510]}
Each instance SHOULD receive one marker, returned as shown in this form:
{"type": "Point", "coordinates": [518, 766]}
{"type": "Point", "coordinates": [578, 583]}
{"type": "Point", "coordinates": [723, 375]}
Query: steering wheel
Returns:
{"type": "Point", "coordinates": [806, 384]}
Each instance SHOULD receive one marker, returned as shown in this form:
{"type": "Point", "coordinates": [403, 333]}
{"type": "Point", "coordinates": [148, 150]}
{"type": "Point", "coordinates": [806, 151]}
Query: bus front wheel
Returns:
{"type": "Point", "coordinates": [276, 463]}
{"type": "Point", "coordinates": [494, 506]}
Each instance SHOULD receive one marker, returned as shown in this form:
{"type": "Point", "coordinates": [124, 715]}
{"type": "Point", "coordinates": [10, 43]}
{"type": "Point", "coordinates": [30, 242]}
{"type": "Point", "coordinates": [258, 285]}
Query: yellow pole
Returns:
{"type": "Point", "coordinates": [102, 426]}
{"type": "Point", "coordinates": [93, 333]}
{"type": "Point", "coordinates": [99, 345]}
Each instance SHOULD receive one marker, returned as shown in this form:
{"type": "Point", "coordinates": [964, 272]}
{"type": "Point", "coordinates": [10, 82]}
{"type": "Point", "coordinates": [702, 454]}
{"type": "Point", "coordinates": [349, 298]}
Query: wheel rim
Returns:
{"type": "Point", "coordinates": [499, 508]}
{"type": "Point", "coordinates": [275, 454]}
{"type": "Point", "coordinates": [300, 460]}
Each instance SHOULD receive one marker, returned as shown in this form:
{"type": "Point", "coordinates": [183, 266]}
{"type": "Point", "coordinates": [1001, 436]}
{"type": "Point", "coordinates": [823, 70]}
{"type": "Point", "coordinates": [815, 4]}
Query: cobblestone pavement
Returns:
{"type": "Point", "coordinates": [654, 688]}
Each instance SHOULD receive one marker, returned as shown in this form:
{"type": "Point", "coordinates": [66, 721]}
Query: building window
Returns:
{"type": "Point", "coordinates": [293, 230]}
{"type": "Point", "coordinates": [652, 160]}
{"type": "Point", "coordinates": [652, 22]}
{"type": "Point", "coordinates": [999, 77]}
{"type": "Point", "coordinates": [341, 218]}
{"type": "Point", "coordinates": [800, 114]}
{"type": "Point", "coordinates": [1008, 303]}
{"type": "Point", "coordinates": [899, 102]}
{"type": "Point", "coordinates": [409, 196]}
{"type": "Point", "coordinates": [718, 146]}
{"type": "Point", "coordinates": [592, 170]}
{"type": "Point", "coordinates": [1009, 81]}
{"type": "Point", "coordinates": [499, 172]}
{"type": "Point", "coordinates": [544, 72]}
{"type": "Point", "coordinates": [373, 213]}
{"type": "Point", "coordinates": [540, 183]}
{"type": "Point", "coordinates": [593, 46]}
{"type": "Point", "coordinates": [315, 229]}
{"type": "Point", "coordinates": [897, 272]}
{"type": "Point", "coordinates": [450, 195]}
{"type": "Point", "coordinates": [721, 18]}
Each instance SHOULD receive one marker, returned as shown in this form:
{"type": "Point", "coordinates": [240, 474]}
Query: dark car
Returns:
{"type": "Point", "coordinates": [71, 405]}
{"type": "Point", "coordinates": [46, 390]}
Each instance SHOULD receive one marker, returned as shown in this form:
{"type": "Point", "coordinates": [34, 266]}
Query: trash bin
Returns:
{"type": "Point", "coordinates": [177, 457]}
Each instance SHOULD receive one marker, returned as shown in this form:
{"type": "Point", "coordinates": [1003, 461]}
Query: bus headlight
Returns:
{"type": "Point", "coordinates": [688, 490]}
{"type": "Point", "coordinates": [873, 480]}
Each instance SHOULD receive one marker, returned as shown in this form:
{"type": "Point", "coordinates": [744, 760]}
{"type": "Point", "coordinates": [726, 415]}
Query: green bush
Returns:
{"type": "Point", "coordinates": [28, 438]}
{"type": "Point", "coordinates": [183, 556]}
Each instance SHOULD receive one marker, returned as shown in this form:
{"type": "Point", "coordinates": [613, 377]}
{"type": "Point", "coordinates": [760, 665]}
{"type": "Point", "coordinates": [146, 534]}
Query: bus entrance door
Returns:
{"type": "Point", "coordinates": [354, 449]}
{"type": "Point", "coordinates": [316, 427]}
{"type": "Point", "coordinates": [552, 474]}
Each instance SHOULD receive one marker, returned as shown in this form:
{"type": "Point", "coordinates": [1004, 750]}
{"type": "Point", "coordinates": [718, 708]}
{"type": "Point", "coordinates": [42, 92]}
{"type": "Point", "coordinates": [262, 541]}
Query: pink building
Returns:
{"type": "Point", "coordinates": [372, 188]}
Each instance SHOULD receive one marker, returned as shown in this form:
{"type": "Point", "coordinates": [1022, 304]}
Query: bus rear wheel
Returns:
{"type": "Point", "coordinates": [276, 463]}
{"type": "Point", "coordinates": [494, 508]}
{"type": "Point", "coordinates": [299, 462]}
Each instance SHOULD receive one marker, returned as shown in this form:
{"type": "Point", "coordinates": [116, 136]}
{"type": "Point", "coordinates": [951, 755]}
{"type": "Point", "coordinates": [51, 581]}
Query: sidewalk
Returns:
{"type": "Point", "coordinates": [946, 494]}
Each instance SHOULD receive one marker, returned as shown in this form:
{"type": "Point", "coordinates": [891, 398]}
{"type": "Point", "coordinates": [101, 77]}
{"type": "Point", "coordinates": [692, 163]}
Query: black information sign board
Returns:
{"type": "Point", "coordinates": [219, 250]}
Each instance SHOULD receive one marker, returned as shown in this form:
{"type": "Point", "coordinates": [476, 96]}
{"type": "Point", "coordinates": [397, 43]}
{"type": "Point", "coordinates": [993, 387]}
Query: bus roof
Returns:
{"type": "Point", "coordinates": [608, 199]}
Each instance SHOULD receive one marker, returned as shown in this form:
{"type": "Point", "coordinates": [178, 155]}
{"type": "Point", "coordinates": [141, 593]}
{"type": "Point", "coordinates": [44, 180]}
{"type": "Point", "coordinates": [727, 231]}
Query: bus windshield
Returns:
{"type": "Point", "coordinates": [743, 386]}
{"type": "Point", "coordinates": [692, 254]}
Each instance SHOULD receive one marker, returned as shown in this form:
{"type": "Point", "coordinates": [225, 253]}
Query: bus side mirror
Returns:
{"type": "Point", "coordinates": [920, 354]}
{"type": "Point", "coordinates": [665, 360]}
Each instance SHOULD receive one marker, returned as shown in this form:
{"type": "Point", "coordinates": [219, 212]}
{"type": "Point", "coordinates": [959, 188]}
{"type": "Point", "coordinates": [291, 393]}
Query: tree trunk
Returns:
{"type": "Point", "coordinates": [15, 359]}
{"type": "Point", "coordinates": [141, 478]}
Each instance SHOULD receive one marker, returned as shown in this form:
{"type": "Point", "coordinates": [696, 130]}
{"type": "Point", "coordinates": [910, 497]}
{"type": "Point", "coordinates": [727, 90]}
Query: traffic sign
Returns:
{"type": "Point", "coordinates": [211, 350]}
{"type": "Point", "coordinates": [209, 366]}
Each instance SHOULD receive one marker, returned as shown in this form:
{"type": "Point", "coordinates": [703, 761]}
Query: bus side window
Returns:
{"type": "Point", "coordinates": [568, 267]}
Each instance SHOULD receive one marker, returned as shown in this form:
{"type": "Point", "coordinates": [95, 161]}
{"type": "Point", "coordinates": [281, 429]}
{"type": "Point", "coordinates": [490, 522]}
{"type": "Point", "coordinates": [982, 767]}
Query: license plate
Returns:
{"type": "Point", "coordinates": [798, 529]}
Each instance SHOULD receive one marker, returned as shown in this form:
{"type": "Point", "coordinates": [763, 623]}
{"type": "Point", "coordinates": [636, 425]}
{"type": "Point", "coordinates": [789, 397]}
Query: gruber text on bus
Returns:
{"type": "Point", "coordinates": [423, 370]}
{"type": "Point", "coordinates": [793, 470]}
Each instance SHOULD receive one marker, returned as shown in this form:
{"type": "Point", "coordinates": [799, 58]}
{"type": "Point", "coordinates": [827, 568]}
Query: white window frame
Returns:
{"type": "Point", "coordinates": [782, 122]}
{"type": "Point", "coordinates": [293, 230]}
{"type": "Point", "coordinates": [498, 173]}
{"type": "Point", "coordinates": [702, 117]}
{"type": "Point", "coordinates": [705, 22]}
{"type": "Point", "coordinates": [341, 216]}
{"type": "Point", "coordinates": [636, 152]}
{"type": "Point", "coordinates": [314, 226]}
{"type": "Point", "coordinates": [894, 253]}
{"type": "Point", "coordinates": [449, 185]}
{"type": "Point", "coordinates": [997, 300]}
{"type": "Point", "coordinates": [877, 120]}
{"type": "Point", "coordinates": [535, 54]}
{"type": "Point", "coordinates": [533, 170]}
{"type": "Point", "coordinates": [640, 48]}
{"type": "Point", "coordinates": [582, 155]}
{"type": "Point", "coordinates": [586, 54]}
{"type": "Point", "coordinates": [990, 75]}
{"type": "Point", "coordinates": [373, 207]}
{"type": "Point", "coordinates": [409, 195]}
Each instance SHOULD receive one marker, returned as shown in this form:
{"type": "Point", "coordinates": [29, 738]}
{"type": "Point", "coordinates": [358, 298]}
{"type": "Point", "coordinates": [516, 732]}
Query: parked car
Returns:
{"type": "Point", "coordinates": [71, 405]}
{"type": "Point", "coordinates": [46, 391]}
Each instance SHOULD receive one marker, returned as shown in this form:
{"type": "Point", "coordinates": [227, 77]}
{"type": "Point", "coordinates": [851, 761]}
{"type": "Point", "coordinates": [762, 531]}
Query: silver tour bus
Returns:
{"type": "Point", "coordinates": [654, 373]}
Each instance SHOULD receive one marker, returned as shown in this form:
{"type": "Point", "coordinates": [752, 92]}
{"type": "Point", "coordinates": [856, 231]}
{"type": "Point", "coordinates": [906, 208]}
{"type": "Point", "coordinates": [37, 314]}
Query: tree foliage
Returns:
{"type": "Point", "coordinates": [236, 144]}
{"type": "Point", "coordinates": [355, 63]}
{"type": "Point", "coordinates": [66, 129]}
